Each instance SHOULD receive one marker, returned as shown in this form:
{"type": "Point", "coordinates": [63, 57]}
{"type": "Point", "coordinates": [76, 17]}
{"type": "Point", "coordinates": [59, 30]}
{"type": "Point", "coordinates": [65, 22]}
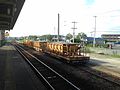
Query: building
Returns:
{"type": "Point", "coordinates": [97, 40]}
{"type": "Point", "coordinates": [9, 12]}
{"type": "Point", "coordinates": [111, 37]}
{"type": "Point", "coordinates": [55, 38]}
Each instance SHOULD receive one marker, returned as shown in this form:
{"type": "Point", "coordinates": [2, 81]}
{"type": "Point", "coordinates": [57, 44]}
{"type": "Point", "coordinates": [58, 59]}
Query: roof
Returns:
{"type": "Point", "coordinates": [9, 12]}
{"type": "Point", "coordinates": [97, 39]}
{"type": "Point", "coordinates": [110, 35]}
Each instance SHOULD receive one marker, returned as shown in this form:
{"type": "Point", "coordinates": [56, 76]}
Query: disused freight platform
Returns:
{"type": "Point", "coordinates": [15, 73]}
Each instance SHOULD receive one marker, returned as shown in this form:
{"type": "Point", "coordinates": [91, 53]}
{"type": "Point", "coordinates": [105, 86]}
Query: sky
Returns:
{"type": "Point", "coordinates": [40, 17]}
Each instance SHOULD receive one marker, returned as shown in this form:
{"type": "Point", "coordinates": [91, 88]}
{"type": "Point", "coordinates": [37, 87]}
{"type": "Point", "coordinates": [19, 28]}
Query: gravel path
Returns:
{"type": "Point", "coordinates": [106, 64]}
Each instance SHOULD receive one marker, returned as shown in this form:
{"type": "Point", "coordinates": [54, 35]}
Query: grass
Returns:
{"type": "Point", "coordinates": [116, 56]}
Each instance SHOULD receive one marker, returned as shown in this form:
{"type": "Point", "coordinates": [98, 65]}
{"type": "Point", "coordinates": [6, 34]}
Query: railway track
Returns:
{"type": "Point", "coordinates": [94, 79]}
{"type": "Point", "coordinates": [52, 79]}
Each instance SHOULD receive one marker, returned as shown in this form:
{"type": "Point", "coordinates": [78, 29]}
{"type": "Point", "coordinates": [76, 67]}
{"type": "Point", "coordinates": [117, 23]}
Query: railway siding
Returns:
{"type": "Point", "coordinates": [51, 77]}
{"type": "Point", "coordinates": [87, 80]}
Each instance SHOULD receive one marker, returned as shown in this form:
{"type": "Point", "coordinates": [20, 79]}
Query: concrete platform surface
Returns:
{"type": "Point", "coordinates": [15, 73]}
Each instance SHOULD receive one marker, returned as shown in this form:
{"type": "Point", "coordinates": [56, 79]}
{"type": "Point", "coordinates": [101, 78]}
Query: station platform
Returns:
{"type": "Point", "coordinates": [15, 73]}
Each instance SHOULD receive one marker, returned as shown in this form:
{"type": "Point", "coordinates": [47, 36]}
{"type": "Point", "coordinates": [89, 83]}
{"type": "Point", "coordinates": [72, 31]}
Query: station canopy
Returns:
{"type": "Point", "coordinates": [9, 12]}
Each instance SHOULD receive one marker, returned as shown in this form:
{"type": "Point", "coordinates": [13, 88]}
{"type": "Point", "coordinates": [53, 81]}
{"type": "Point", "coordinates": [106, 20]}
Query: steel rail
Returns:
{"type": "Point", "coordinates": [75, 87]}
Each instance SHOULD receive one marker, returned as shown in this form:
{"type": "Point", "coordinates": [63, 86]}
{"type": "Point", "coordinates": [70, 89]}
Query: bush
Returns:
{"type": "Point", "coordinates": [86, 50]}
{"type": "Point", "coordinates": [105, 46]}
{"type": "Point", "coordinates": [89, 45]}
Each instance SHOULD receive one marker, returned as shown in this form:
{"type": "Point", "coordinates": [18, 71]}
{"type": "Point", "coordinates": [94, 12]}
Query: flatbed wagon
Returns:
{"type": "Point", "coordinates": [67, 51]}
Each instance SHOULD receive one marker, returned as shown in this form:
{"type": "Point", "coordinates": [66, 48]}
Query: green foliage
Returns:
{"type": "Point", "coordinates": [2, 42]}
{"type": "Point", "coordinates": [69, 36]}
{"type": "Point", "coordinates": [81, 36]}
{"type": "Point", "coordinates": [89, 45]}
{"type": "Point", "coordinates": [98, 45]}
{"type": "Point", "coordinates": [85, 50]}
{"type": "Point", "coordinates": [76, 40]}
{"type": "Point", "coordinates": [105, 46]}
{"type": "Point", "coordinates": [116, 56]}
{"type": "Point", "coordinates": [47, 37]}
{"type": "Point", "coordinates": [32, 37]}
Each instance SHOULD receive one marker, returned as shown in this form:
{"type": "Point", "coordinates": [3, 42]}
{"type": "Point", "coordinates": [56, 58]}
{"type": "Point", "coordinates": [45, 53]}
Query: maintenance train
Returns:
{"type": "Point", "coordinates": [69, 52]}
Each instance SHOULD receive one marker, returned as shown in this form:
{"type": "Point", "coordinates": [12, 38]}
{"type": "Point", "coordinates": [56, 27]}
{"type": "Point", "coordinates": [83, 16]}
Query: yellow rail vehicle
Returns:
{"type": "Point", "coordinates": [39, 46]}
{"type": "Point", "coordinates": [69, 52]}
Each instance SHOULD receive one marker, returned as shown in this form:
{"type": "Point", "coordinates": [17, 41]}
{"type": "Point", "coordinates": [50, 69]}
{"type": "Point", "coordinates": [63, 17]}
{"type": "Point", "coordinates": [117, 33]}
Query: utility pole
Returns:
{"type": "Point", "coordinates": [58, 27]}
{"type": "Point", "coordinates": [74, 30]}
{"type": "Point", "coordinates": [94, 42]}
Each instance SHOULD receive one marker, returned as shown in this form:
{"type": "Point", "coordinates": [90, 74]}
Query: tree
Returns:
{"type": "Point", "coordinates": [81, 36]}
{"type": "Point", "coordinates": [32, 37]}
{"type": "Point", "coordinates": [69, 36]}
{"type": "Point", "coordinates": [49, 37]}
